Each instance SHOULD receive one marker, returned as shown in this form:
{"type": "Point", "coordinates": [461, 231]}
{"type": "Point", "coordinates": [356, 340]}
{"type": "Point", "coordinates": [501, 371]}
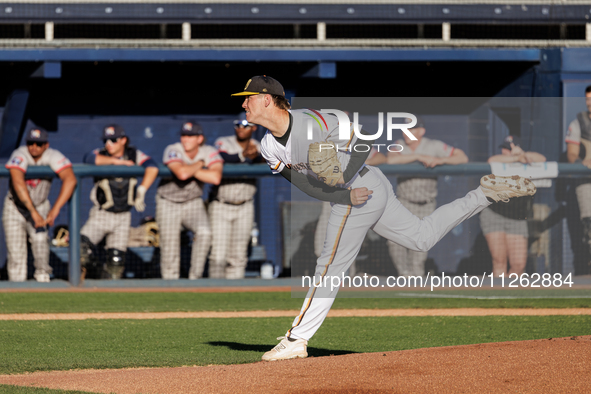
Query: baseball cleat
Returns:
{"type": "Point", "coordinates": [42, 277]}
{"type": "Point", "coordinates": [503, 188]}
{"type": "Point", "coordinates": [286, 350]}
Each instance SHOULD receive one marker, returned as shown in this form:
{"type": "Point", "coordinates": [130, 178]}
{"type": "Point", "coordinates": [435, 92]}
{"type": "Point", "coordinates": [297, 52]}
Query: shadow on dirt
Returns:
{"type": "Point", "coordinates": [312, 351]}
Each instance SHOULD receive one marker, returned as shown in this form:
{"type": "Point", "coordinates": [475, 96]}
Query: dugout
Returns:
{"type": "Point", "coordinates": [73, 70]}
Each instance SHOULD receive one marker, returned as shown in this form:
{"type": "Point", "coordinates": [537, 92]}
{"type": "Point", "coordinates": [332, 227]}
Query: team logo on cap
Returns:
{"type": "Point", "coordinates": [35, 133]}
{"type": "Point", "coordinates": [110, 130]}
{"type": "Point", "coordinates": [509, 139]}
{"type": "Point", "coordinates": [188, 126]}
{"type": "Point", "coordinates": [247, 83]}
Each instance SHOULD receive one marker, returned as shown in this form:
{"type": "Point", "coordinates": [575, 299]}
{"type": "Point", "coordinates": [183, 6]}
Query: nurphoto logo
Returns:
{"type": "Point", "coordinates": [392, 123]}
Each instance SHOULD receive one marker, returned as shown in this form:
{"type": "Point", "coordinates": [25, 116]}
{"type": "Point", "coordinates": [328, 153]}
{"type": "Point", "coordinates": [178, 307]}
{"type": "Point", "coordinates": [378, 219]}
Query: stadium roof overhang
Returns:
{"type": "Point", "coordinates": [272, 55]}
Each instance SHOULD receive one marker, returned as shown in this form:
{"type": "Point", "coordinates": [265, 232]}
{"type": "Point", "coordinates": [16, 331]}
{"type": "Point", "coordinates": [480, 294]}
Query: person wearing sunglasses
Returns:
{"type": "Point", "coordinates": [113, 198]}
{"type": "Point", "coordinates": [231, 208]}
{"type": "Point", "coordinates": [27, 211]}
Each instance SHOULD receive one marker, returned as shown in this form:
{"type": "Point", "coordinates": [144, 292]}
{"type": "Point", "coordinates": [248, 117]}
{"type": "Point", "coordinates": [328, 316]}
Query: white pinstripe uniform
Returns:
{"type": "Point", "coordinates": [348, 224]}
{"type": "Point", "coordinates": [179, 205]}
{"type": "Point", "coordinates": [231, 215]}
{"type": "Point", "coordinates": [418, 195]}
{"type": "Point", "coordinates": [17, 227]}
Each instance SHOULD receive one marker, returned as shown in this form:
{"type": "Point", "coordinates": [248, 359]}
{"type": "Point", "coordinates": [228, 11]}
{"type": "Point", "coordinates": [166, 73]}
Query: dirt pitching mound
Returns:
{"type": "Point", "coordinates": [541, 366]}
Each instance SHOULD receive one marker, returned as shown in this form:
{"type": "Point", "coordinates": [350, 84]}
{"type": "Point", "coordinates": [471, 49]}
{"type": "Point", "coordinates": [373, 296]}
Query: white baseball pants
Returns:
{"type": "Point", "coordinates": [16, 230]}
{"type": "Point", "coordinates": [231, 226]}
{"type": "Point", "coordinates": [348, 225]}
{"type": "Point", "coordinates": [172, 217]}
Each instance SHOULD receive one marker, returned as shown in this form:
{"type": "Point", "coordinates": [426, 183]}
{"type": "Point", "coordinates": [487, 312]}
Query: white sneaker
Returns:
{"type": "Point", "coordinates": [42, 277]}
{"type": "Point", "coordinates": [286, 350]}
{"type": "Point", "coordinates": [503, 188]}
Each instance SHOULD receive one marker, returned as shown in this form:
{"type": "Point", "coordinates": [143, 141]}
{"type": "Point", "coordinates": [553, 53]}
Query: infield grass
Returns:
{"type": "Point", "coordinates": [57, 302]}
{"type": "Point", "coordinates": [80, 344]}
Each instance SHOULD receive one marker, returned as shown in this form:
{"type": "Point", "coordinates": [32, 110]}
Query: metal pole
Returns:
{"type": "Point", "coordinates": [74, 208]}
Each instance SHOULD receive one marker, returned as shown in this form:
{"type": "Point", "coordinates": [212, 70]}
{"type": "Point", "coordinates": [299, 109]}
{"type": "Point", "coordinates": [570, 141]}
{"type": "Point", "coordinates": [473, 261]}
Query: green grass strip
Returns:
{"type": "Point", "coordinates": [193, 302]}
{"type": "Point", "coordinates": [80, 344]}
{"type": "Point", "coordinates": [8, 389]}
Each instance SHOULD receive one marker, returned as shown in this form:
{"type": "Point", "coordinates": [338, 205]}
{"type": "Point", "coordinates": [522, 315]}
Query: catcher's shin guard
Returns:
{"type": "Point", "coordinates": [91, 267]}
{"type": "Point", "coordinates": [115, 263]}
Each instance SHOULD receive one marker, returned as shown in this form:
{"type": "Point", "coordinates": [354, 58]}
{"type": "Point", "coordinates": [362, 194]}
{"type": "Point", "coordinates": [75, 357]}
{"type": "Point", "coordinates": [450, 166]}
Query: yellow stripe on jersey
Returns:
{"type": "Point", "coordinates": [332, 256]}
{"type": "Point", "coordinates": [316, 119]}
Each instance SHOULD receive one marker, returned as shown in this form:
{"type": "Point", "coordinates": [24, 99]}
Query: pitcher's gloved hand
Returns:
{"type": "Point", "coordinates": [322, 157]}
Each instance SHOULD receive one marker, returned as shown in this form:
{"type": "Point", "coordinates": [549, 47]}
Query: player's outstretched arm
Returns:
{"type": "Point", "coordinates": [68, 185]}
{"type": "Point", "coordinates": [321, 191]}
{"type": "Point", "coordinates": [19, 185]}
{"type": "Point", "coordinates": [150, 175]}
{"type": "Point", "coordinates": [572, 152]}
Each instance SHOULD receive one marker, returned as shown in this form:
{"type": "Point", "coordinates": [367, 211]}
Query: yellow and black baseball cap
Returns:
{"type": "Point", "coordinates": [262, 84]}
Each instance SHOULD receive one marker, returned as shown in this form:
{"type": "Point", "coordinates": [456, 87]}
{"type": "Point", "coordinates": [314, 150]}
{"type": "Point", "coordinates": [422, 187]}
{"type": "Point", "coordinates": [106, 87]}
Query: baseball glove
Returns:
{"type": "Point", "coordinates": [62, 238]}
{"type": "Point", "coordinates": [324, 162]}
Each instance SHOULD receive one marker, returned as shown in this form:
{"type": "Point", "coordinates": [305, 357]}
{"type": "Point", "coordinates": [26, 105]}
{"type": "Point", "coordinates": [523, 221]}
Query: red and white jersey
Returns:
{"type": "Point", "coordinates": [230, 145]}
{"type": "Point", "coordinates": [182, 191]}
{"type": "Point", "coordinates": [21, 159]}
{"type": "Point", "coordinates": [307, 127]}
{"type": "Point", "coordinates": [235, 190]}
{"type": "Point", "coordinates": [573, 134]}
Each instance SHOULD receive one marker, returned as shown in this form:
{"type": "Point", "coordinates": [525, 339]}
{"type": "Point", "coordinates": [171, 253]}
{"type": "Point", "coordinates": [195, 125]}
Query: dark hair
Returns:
{"type": "Point", "coordinates": [588, 89]}
{"type": "Point", "coordinates": [281, 102]}
{"type": "Point", "coordinates": [126, 142]}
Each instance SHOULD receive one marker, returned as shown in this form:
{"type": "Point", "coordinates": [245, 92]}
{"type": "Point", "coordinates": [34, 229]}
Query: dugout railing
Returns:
{"type": "Point", "coordinates": [82, 172]}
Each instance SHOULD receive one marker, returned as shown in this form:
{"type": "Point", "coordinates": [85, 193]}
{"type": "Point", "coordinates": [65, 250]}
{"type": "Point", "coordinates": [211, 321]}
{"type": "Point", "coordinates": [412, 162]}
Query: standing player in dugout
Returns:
{"type": "Point", "coordinates": [231, 207]}
{"type": "Point", "coordinates": [113, 197]}
{"type": "Point", "coordinates": [362, 198]}
{"type": "Point", "coordinates": [179, 204]}
{"type": "Point", "coordinates": [27, 211]}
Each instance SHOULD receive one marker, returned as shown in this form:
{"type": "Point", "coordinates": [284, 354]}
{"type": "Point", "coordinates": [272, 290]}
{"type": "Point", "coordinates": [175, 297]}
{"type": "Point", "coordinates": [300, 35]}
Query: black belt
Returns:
{"type": "Point", "coordinates": [363, 171]}
{"type": "Point", "coordinates": [233, 203]}
{"type": "Point", "coordinates": [420, 202]}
